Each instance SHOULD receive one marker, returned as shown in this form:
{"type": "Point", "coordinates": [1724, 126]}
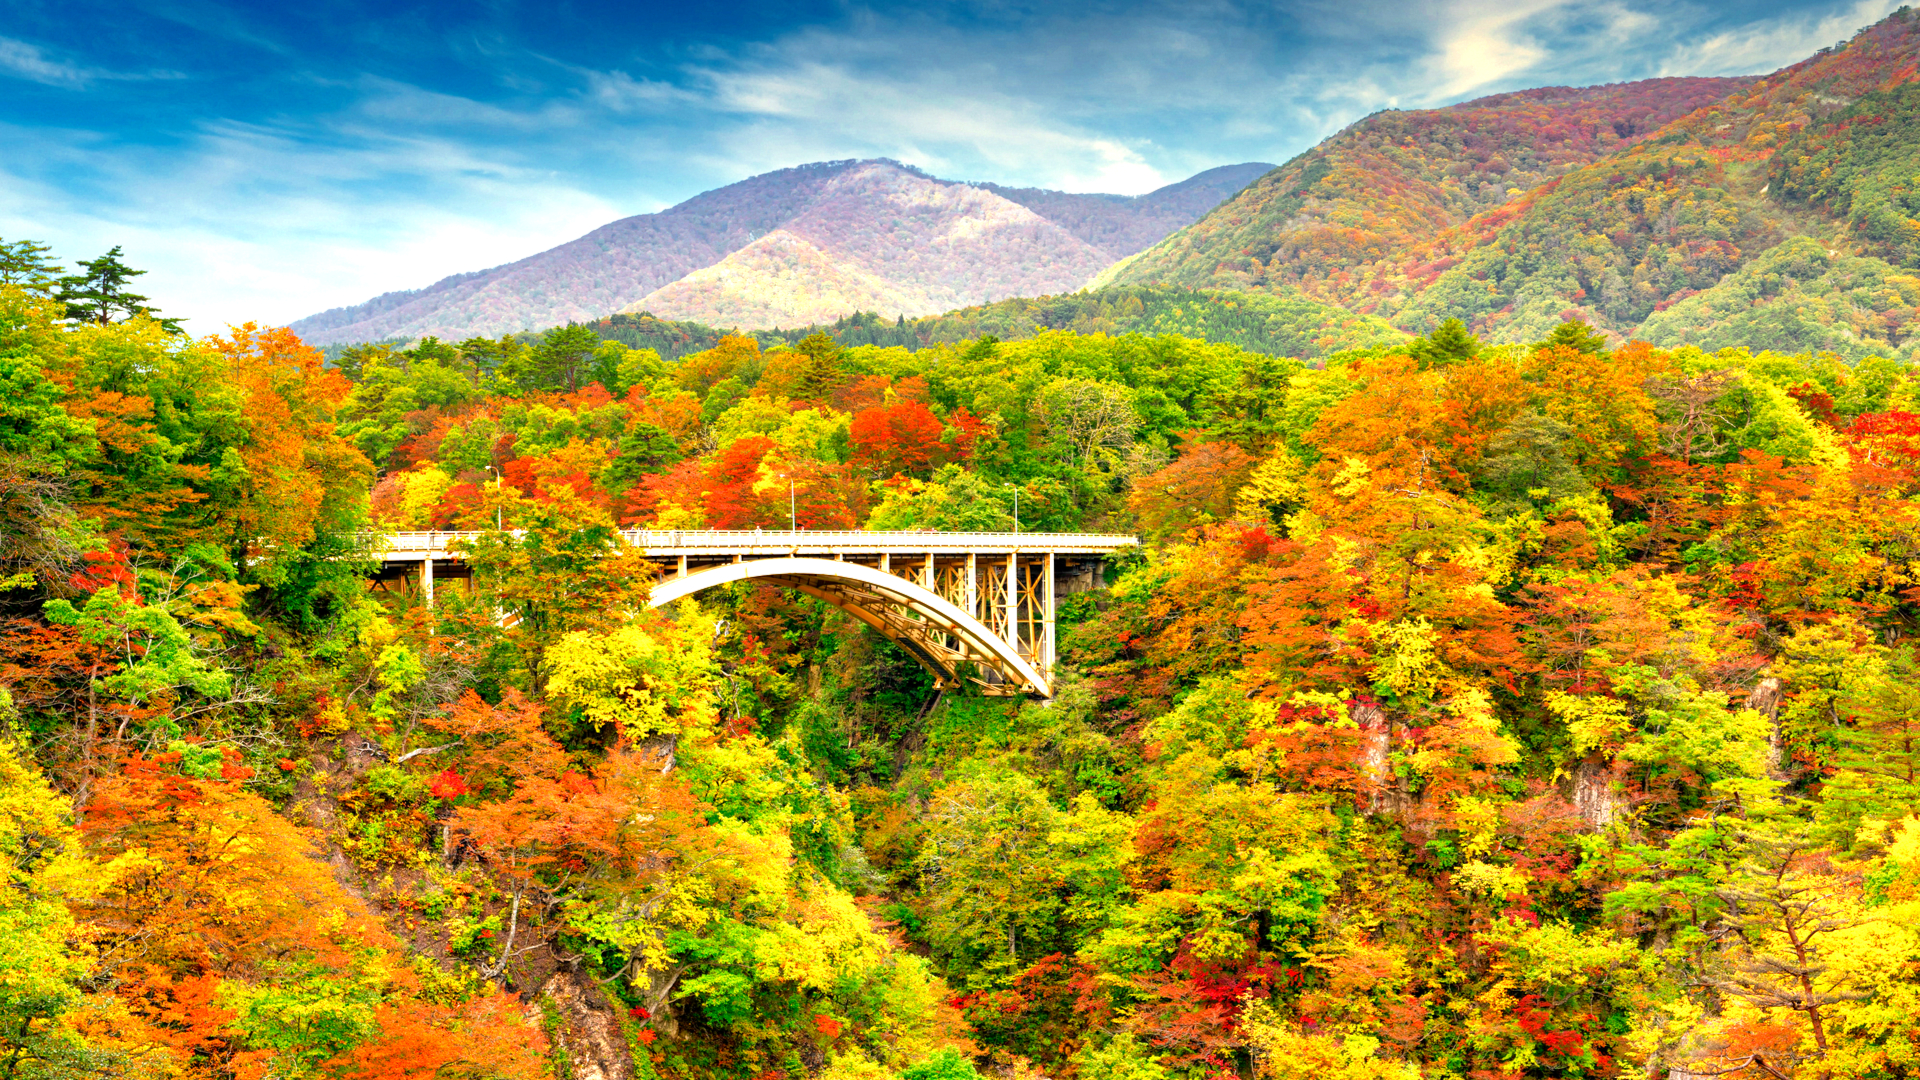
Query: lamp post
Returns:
{"type": "Point", "coordinates": [793, 512]}
{"type": "Point", "coordinates": [497, 523]}
{"type": "Point", "coordinates": [1016, 508]}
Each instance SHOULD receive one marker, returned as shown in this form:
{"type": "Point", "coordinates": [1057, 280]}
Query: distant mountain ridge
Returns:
{"type": "Point", "coordinates": [857, 235]}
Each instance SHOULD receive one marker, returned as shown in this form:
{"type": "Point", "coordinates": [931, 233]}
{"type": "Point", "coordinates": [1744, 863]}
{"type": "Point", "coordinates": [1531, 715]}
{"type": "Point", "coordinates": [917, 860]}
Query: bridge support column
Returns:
{"type": "Point", "coordinates": [927, 580]}
{"type": "Point", "coordinates": [426, 580]}
{"type": "Point", "coordinates": [682, 572]}
{"type": "Point", "coordinates": [1047, 634]}
{"type": "Point", "coordinates": [1013, 600]}
{"type": "Point", "coordinates": [973, 585]}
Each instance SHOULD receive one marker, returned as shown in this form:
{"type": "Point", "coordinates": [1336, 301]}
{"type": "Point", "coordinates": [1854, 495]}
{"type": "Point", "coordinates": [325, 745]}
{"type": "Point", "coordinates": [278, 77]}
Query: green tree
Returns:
{"type": "Point", "coordinates": [24, 263]}
{"type": "Point", "coordinates": [1575, 334]}
{"type": "Point", "coordinates": [1013, 878]}
{"type": "Point", "coordinates": [821, 375]}
{"type": "Point", "coordinates": [562, 361]}
{"type": "Point", "coordinates": [99, 293]}
{"type": "Point", "coordinates": [1450, 343]}
{"type": "Point", "coordinates": [34, 424]}
{"type": "Point", "coordinates": [619, 368]}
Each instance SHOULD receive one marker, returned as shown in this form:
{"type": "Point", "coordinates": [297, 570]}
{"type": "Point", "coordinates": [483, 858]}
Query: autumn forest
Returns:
{"type": "Point", "coordinates": [1521, 688]}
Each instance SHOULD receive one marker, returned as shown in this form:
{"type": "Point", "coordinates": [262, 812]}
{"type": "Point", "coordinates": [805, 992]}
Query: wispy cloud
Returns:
{"type": "Point", "coordinates": [1484, 42]}
{"type": "Point", "coordinates": [25, 60]}
{"type": "Point", "coordinates": [247, 222]}
{"type": "Point", "coordinates": [1768, 45]}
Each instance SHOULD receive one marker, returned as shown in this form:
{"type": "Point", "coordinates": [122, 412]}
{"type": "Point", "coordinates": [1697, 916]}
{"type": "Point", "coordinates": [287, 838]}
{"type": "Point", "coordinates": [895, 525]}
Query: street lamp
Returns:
{"type": "Point", "coordinates": [1016, 508]}
{"type": "Point", "coordinates": [497, 524]}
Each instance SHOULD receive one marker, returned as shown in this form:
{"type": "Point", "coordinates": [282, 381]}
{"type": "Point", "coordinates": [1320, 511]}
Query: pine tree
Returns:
{"type": "Point", "coordinates": [1786, 902]}
{"type": "Point", "coordinates": [1576, 334]}
{"type": "Point", "coordinates": [821, 375]}
{"type": "Point", "coordinates": [98, 294]}
{"type": "Point", "coordinates": [24, 263]}
{"type": "Point", "coordinates": [1450, 343]}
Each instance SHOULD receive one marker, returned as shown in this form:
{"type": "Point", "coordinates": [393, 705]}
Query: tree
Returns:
{"type": "Point", "coordinates": [954, 499]}
{"type": "Point", "coordinates": [99, 295]}
{"type": "Point", "coordinates": [1012, 878]}
{"type": "Point", "coordinates": [42, 867]}
{"type": "Point", "coordinates": [1787, 903]}
{"type": "Point", "coordinates": [620, 369]}
{"type": "Point", "coordinates": [36, 428]}
{"type": "Point", "coordinates": [734, 356]}
{"type": "Point", "coordinates": [206, 928]}
{"type": "Point", "coordinates": [24, 264]}
{"type": "Point", "coordinates": [820, 374]}
{"type": "Point", "coordinates": [1450, 343]}
{"type": "Point", "coordinates": [1199, 488]}
{"type": "Point", "coordinates": [1575, 334]}
{"type": "Point", "coordinates": [563, 360]}
{"type": "Point", "coordinates": [899, 439]}
{"type": "Point", "coordinates": [1088, 421]}
{"type": "Point", "coordinates": [289, 480]}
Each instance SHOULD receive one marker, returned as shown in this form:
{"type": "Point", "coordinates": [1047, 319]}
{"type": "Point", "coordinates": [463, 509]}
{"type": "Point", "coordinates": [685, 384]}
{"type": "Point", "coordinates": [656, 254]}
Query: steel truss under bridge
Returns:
{"type": "Point", "coordinates": [972, 607]}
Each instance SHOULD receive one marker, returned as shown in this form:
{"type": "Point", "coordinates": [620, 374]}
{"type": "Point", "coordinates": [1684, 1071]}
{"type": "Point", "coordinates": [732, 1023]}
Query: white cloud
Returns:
{"type": "Point", "coordinates": [1483, 42]}
{"type": "Point", "coordinates": [252, 224]}
{"type": "Point", "coordinates": [24, 61]}
{"type": "Point", "coordinates": [1766, 46]}
{"type": "Point", "coordinates": [931, 123]}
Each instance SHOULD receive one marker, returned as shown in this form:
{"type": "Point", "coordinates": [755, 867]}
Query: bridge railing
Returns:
{"type": "Point", "coordinates": [851, 539]}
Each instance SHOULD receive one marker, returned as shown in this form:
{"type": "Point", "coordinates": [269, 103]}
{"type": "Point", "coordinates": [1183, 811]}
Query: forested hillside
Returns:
{"type": "Point", "coordinates": [1472, 710]}
{"type": "Point", "coordinates": [1687, 205]}
{"type": "Point", "coordinates": [1332, 220]}
{"type": "Point", "coordinates": [1263, 324]}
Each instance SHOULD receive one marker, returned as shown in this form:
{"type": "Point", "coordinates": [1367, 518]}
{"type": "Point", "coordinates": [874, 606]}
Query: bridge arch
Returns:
{"type": "Point", "coordinates": [939, 634]}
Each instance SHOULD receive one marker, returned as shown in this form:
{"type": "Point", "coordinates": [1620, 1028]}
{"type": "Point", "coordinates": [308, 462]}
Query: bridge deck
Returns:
{"type": "Point", "coordinates": [420, 546]}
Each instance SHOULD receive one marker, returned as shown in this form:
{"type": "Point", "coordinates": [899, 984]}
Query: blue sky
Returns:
{"type": "Point", "coordinates": [266, 161]}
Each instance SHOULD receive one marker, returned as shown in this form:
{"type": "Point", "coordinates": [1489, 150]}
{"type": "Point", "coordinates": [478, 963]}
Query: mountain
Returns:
{"type": "Point", "coordinates": [1654, 209]}
{"type": "Point", "coordinates": [1120, 225]}
{"type": "Point", "coordinates": [1323, 222]}
{"type": "Point", "coordinates": [806, 244]}
{"type": "Point", "coordinates": [878, 237]}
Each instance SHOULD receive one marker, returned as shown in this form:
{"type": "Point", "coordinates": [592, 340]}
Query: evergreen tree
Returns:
{"type": "Point", "coordinates": [561, 361]}
{"type": "Point", "coordinates": [1576, 334]}
{"type": "Point", "coordinates": [24, 263]}
{"type": "Point", "coordinates": [1450, 343]}
{"type": "Point", "coordinates": [822, 374]}
{"type": "Point", "coordinates": [98, 294]}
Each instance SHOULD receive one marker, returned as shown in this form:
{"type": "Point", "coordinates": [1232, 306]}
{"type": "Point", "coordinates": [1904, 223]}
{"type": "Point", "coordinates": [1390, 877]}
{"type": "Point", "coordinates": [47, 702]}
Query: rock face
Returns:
{"type": "Point", "coordinates": [800, 245]}
{"type": "Point", "coordinates": [589, 1031]}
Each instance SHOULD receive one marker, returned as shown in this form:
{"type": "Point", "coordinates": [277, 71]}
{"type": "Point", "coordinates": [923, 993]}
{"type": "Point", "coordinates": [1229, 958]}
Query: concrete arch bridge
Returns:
{"type": "Point", "coordinates": [971, 607]}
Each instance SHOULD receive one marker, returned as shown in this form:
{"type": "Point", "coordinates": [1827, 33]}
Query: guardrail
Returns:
{"type": "Point", "coordinates": [843, 539]}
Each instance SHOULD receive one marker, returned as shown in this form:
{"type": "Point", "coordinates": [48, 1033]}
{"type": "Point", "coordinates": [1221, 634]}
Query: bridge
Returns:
{"type": "Point", "coordinates": [971, 607]}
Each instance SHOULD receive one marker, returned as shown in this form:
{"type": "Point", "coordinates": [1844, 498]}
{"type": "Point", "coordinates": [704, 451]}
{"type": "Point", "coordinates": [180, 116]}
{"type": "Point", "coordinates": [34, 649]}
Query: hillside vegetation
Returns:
{"type": "Point", "coordinates": [1278, 327]}
{"type": "Point", "coordinates": [1471, 711]}
{"type": "Point", "coordinates": [1700, 179]}
{"type": "Point", "coordinates": [1334, 219]}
